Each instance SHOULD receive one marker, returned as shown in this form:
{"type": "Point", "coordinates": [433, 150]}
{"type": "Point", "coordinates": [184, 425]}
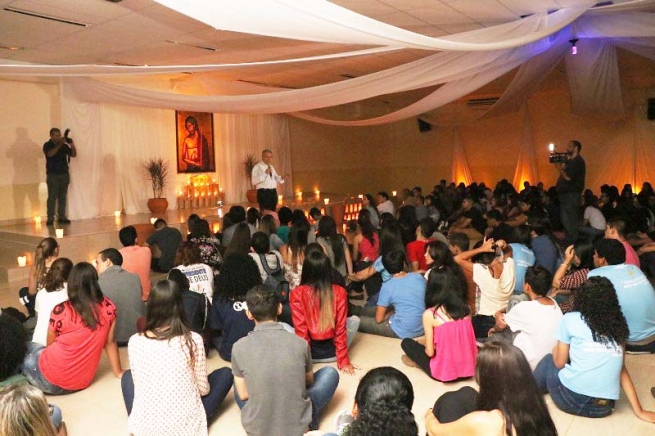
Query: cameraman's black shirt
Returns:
{"type": "Point", "coordinates": [57, 164]}
{"type": "Point", "coordinates": [575, 169]}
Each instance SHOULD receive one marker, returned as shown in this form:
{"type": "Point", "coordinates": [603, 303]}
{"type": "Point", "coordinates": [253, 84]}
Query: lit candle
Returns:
{"type": "Point", "coordinates": [59, 233]}
{"type": "Point", "coordinates": [152, 220]}
{"type": "Point", "coordinates": [179, 193]}
{"type": "Point", "coordinates": [299, 193]}
{"type": "Point", "coordinates": [280, 198]}
{"type": "Point", "coordinates": [37, 219]}
{"type": "Point", "coordinates": [394, 193]}
{"type": "Point", "coordinates": [360, 196]}
{"type": "Point", "coordinates": [318, 193]}
{"type": "Point", "coordinates": [220, 190]}
{"type": "Point", "coordinates": [217, 227]}
{"type": "Point", "coordinates": [117, 213]}
{"type": "Point", "coordinates": [22, 261]}
{"type": "Point", "coordinates": [220, 212]}
{"type": "Point", "coordinates": [322, 211]}
{"type": "Point", "coordinates": [326, 200]}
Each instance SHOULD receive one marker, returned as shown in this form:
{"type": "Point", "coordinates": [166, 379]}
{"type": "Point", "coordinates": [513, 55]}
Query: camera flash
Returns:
{"type": "Point", "coordinates": [551, 147]}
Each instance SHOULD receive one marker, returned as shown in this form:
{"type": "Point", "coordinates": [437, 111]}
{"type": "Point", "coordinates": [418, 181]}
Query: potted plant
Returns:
{"type": "Point", "coordinates": [248, 164]}
{"type": "Point", "coordinates": [157, 171]}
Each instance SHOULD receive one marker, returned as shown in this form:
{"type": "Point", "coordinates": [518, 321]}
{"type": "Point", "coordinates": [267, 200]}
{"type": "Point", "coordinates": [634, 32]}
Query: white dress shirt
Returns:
{"type": "Point", "coordinates": [261, 180]}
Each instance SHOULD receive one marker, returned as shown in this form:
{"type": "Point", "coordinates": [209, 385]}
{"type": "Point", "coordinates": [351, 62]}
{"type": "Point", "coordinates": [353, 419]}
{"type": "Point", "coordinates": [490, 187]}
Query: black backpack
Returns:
{"type": "Point", "coordinates": [275, 277]}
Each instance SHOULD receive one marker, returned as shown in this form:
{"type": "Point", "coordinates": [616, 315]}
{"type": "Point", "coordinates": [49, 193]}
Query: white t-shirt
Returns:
{"type": "Point", "coordinates": [595, 217]}
{"type": "Point", "coordinates": [494, 293]}
{"type": "Point", "coordinates": [538, 325]}
{"type": "Point", "coordinates": [387, 206]}
{"type": "Point", "coordinates": [44, 303]}
{"type": "Point", "coordinates": [201, 278]}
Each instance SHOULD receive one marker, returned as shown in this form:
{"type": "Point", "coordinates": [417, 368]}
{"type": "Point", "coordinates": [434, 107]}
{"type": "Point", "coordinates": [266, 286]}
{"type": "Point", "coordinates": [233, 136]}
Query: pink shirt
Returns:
{"type": "Point", "coordinates": [137, 260]}
{"type": "Point", "coordinates": [631, 256]}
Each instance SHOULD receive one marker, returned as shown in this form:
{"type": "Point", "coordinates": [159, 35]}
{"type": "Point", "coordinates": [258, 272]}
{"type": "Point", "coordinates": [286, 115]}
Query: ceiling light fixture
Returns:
{"type": "Point", "coordinates": [574, 48]}
{"type": "Point", "coordinates": [45, 17]}
{"type": "Point", "coordinates": [10, 47]}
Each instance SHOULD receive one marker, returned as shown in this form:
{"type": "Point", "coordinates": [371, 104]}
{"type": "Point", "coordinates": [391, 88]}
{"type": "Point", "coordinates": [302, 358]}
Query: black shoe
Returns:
{"type": "Point", "coordinates": [50, 222]}
{"type": "Point", "coordinates": [63, 221]}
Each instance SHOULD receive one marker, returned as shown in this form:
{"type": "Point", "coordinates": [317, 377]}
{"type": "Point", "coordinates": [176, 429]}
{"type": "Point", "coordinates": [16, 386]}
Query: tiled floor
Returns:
{"type": "Point", "coordinates": [99, 409]}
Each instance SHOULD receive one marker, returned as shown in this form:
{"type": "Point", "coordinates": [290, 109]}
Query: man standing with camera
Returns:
{"type": "Point", "coordinates": [58, 151]}
{"type": "Point", "coordinates": [570, 185]}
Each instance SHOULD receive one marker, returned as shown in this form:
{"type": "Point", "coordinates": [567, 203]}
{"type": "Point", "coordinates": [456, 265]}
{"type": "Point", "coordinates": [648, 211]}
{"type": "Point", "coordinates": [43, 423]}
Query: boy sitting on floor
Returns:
{"type": "Point", "coordinates": [274, 384]}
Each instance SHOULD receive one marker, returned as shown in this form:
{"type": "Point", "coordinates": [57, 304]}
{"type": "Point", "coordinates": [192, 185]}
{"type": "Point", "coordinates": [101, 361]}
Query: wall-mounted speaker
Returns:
{"type": "Point", "coordinates": [423, 126]}
{"type": "Point", "coordinates": [650, 112]}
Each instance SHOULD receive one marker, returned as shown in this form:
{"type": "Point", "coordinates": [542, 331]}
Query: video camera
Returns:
{"type": "Point", "coordinates": [556, 157]}
{"type": "Point", "coordinates": [66, 138]}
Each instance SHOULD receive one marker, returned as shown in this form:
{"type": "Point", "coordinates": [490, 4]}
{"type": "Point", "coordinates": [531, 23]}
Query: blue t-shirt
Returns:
{"type": "Point", "coordinates": [523, 259]}
{"type": "Point", "coordinates": [595, 368]}
{"type": "Point", "coordinates": [636, 297]}
{"type": "Point", "coordinates": [379, 267]}
{"type": "Point", "coordinates": [407, 296]}
{"type": "Point", "coordinates": [545, 253]}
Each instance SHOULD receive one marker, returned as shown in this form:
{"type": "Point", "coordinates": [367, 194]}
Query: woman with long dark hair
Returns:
{"type": "Point", "coordinates": [240, 242]}
{"type": "Point", "coordinates": [366, 244]}
{"type": "Point", "coordinates": [169, 372]}
{"type": "Point", "coordinates": [509, 401]}
{"type": "Point", "coordinates": [269, 226]}
{"type": "Point", "coordinates": [200, 275]}
{"type": "Point", "coordinates": [587, 368]}
{"type": "Point", "coordinates": [53, 293]}
{"type": "Point", "coordinates": [228, 310]}
{"type": "Point", "coordinates": [450, 349]}
{"type": "Point", "coordinates": [44, 255]}
{"type": "Point", "coordinates": [572, 273]}
{"type": "Point", "coordinates": [294, 255]}
{"type": "Point", "coordinates": [319, 310]}
{"type": "Point", "coordinates": [383, 406]}
{"type": "Point", "coordinates": [368, 203]}
{"type": "Point", "coordinates": [208, 243]}
{"type": "Point", "coordinates": [78, 331]}
{"type": "Point", "coordinates": [335, 245]}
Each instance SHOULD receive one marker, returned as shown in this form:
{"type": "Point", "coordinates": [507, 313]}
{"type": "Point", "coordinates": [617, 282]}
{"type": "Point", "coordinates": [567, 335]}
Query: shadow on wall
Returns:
{"type": "Point", "coordinates": [28, 161]}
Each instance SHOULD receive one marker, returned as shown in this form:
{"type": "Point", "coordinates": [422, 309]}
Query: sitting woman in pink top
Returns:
{"type": "Point", "coordinates": [79, 329]}
{"type": "Point", "coordinates": [450, 349]}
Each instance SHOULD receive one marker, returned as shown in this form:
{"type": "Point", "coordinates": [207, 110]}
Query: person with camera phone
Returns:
{"type": "Point", "coordinates": [58, 151]}
{"type": "Point", "coordinates": [570, 185]}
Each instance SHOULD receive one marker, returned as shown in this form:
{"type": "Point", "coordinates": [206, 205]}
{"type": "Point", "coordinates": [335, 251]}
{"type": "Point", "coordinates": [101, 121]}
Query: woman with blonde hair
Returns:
{"type": "Point", "coordinates": [45, 254]}
{"type": "Point", "coordinates": [24, 411]}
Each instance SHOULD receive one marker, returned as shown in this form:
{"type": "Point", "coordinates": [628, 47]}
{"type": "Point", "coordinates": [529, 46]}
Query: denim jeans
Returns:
{"type": "Point", "coordinates": [220, 383]}
{"type": "Point", "coordinates": [320, 393]}
{"type": "Point", "coordinates": [30, 368]}
{"type": "Point", "coordinates": [352, 325]}
{"type": "Point", "coordinates": [546, 375]}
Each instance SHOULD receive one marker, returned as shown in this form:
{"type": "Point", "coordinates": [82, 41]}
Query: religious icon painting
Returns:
{"type": "Point", "coordinates": [195, 142]}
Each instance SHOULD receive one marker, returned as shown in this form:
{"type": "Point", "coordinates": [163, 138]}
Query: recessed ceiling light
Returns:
{"type": "Point", "coordinates": [201, 47]}
{"type": "Point", "coordinates": [10, 47]}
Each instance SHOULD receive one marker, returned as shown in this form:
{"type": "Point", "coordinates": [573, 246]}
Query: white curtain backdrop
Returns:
{"type": "Point", "coordinates": [461, 169]}
{"type": "Point", "coordinates": [240, 135]}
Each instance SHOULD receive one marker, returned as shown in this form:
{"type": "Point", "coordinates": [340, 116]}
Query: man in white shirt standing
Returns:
{"type": "Point", "coordinates": [265, 180]}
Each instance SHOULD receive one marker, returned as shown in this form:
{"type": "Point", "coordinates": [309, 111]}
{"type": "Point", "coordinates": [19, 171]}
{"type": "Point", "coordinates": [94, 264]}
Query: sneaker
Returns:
{"type": "Point", "coordinates": [64, 221]}
{"type": "Point", "coordinates": [408, 362]}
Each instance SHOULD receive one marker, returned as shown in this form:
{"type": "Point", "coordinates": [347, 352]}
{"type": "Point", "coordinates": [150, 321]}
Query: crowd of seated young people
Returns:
{"type": "Point", "coordinates": [423, 284]}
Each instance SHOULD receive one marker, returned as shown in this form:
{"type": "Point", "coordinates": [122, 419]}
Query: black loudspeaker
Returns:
{"type": "Point", "coordinates": [426, 127]}
{"type": "Point", "coordinates": [650, 112]}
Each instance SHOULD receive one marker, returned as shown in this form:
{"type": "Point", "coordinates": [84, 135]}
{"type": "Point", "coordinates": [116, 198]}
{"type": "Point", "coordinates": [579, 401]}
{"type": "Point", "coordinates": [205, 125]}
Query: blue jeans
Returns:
{"type": "Point", "coordinates": [220, 383]}
{"type": "Point", "coordinates": [320, 393]}
{"type": "Point", "coordinates": [30, 368]}
{"type": "Point", "coordinates": [546, 375]}
{"type": "Point", "coordinates": [352, 325]}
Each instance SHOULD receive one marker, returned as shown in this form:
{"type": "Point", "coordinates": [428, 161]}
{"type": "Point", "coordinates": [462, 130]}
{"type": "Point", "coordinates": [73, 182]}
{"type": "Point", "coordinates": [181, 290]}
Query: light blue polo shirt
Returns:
{"type": "Point", "coordinates": [379, 267]}
{"type": "Point", "coordinates": [595, 368]}
{"type": "Point", "coordinates": [407, 296]}
{"type": "Point", "coordinates": [523, 259]}
{"type": "Point", "coordinates": [636, 297]}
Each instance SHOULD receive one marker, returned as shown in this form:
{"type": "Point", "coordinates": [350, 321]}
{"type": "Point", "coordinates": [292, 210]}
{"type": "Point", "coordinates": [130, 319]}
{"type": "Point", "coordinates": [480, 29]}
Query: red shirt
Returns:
{"type": "Point", "coordinates": [305, 312]}
{"type": "Point", "coordinates": [416, 253]}
{"type": "Point", "coordinates": [72, 360]}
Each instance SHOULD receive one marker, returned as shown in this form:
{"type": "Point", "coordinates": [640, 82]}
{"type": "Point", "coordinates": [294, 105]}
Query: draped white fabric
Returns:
{"type": "Point", "coordinates": [114, 141]}
{"type": "Point", "coordinates": [594, 83]}
{"type": "Point", "coordinates": [322, 21]}
{"type": "Point", "coordinates": [240, 135]}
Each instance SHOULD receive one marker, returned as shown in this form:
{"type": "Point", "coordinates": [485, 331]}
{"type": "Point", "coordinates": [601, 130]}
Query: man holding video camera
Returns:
{"type": "Point", "coordinates": [58, 152]}
{"type": "Point", "coordinates": [570, 185]}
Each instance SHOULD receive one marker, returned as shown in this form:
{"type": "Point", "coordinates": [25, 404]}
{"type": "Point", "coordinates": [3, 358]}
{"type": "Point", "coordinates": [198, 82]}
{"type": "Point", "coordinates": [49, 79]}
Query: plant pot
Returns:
{"type": "Point", "coordinates": [251, 195]}
{"type": "Point", "coordinates": [157, 205]}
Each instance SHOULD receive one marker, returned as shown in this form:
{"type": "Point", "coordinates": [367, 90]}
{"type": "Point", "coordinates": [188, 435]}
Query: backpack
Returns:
{"type": "Point", "coordinates": [275, 278]}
